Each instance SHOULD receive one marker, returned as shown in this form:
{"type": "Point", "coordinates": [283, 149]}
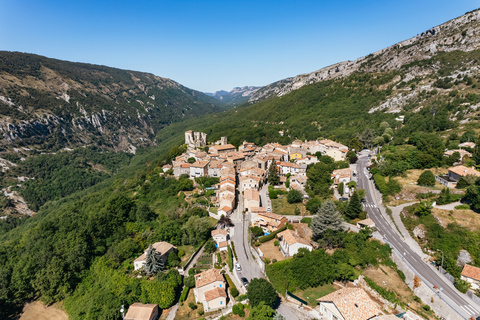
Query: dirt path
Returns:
{"type": "Point", "coordinates": [38, 311]}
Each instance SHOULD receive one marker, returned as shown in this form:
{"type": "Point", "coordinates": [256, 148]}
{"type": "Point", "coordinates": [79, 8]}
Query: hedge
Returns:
{"type": "Point", "coordinates": [184, 294]}
{"type": "Point", "coordinates": [230, 258]}
{"type": "Point", "coordinates": [231, 285]}
{"type": "Point", "coordinates": [272, 235]}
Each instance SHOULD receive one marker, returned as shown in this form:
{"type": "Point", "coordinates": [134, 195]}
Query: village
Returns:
{"type": "Point", "coordinates": [242, 195]}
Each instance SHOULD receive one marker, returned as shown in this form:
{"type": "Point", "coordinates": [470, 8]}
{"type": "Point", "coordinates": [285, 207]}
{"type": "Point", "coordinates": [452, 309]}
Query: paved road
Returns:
{"type": "Point", "coordinates": [454, 298]}
{"type": "Point", "coordinates": [250, 268]}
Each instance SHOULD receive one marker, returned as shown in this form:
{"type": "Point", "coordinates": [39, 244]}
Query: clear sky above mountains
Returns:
{"type": "Point", "coordinates": [214, 45]}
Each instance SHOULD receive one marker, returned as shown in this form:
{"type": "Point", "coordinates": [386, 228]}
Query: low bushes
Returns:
{"type": "Point", "coordinates": [233, 288]}
{"type": "Point", "coordinates": [272, 235]}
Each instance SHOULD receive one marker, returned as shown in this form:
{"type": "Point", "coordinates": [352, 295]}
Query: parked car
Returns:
{"type": "Point", "coordinates": [343, 199]}
{"type": "Point", "coordinates": [238, 267]}
{"type": "Point", "coordinates": [245, 282]}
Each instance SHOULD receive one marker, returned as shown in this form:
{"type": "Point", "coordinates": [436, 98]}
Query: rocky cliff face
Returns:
{"type": "Point", "coordinates": [236, 96]}
{"type": "Point", "coordinates": [58, 103]}
{"type": "Point", "coordinates": [462, 33]}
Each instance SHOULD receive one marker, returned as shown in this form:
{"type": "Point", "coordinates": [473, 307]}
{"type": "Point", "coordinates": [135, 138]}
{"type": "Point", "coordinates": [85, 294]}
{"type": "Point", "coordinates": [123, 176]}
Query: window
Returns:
{"type": "Point", "coordinates": [221, 302]}
{"type": "Point", "coordinates": [220, 285]}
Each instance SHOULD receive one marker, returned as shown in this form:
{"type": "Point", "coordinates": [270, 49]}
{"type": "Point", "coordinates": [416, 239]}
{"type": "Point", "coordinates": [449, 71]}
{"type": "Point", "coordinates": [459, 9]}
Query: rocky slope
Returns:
{"type": "Point", "coordinates": [462, 33]}
{"type": "Point", "coordinates": [236, 96]}
{"type": "Point", "coordinates": [55, 103]}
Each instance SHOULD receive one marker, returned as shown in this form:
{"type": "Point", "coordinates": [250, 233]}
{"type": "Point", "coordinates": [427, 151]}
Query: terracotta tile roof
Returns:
{"type": "Point", "coordinates": [222, 244]}
{"type": "Point", "coordinates": [353, 303]}
{"type": "Point", "coordinates": [200, 164]}
{"type": "Point", "coordinates": [207, 277]}
{"type": "Point", "coordinates": [291, 238]}
{"type": "Point", "coordinates": [215, 293]}
{"type": "Point", "coordinates": [219, 231]}
{"type": "Point", "coordinates": [471, 272]}
{"type": "Point", "coordinates": [225, 209]}
{"type": "Point", "coordinates": [140, 311]}
{"type": "Point", "coordinates": [270, 215]}
{"type": "Point", "coordinates": [229, 197]}
{"type": "Point", "coordinates": [366, 222]}
{"type": "Point", "coordinates": [185, 165]}
{"type": "Point", "coordinates": [258, 209]}
{"type": "Point", "coordinates": [287, 164]}
{"type": "Point", "coordinates": [224, 147]}
{"type": "Point", "coordinates": [251, 194]}
{"type": "Point", "coordinates": [161, 247]}
{"type": "Point", "coordinates": [249, 176]}
{"type": "Point", "coordinates": [463, 171]}
{"type": "Point", "coordinates": [227, 188]}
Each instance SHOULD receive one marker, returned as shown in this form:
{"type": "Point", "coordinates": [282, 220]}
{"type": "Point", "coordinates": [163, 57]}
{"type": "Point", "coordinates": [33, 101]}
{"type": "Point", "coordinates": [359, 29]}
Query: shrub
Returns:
{"type": "Point", "coordinates": [266, 260]}
{"type": "Point", "coordinates": [234, 292]}
{"type": "Point", "coordinates": [417, 299]}
{"type": "Point", "coordinates": [233, 288]}
{"type": "Point", "coordinates": [463, 207]}
{"type": "Point", "coordinates": [200, 312]}
{"type": "Point", "coordinates": [294, 196]}
{"type": "Point", "coordinates": [181, 253]}
{"type": "Point", "coordinates": [192, 306]}
{"type": "Point", "coordinates": [184, 294]}
{"type": "Point", "coordinates": [241, 297]}
{"type": "Point", "coordinates": [238, 309]}
{"type": "Point", "coordinates": [274, 260]}
{"type": "Point", "coordinates": [426, 307]}
{"type": "Point", "coordinates": [462, 285]}
{"type": "Point", "coordinates": [230, 258]}
{"type": "Point", "coordinates": [275, 243]}
{"type": "Point", "coordinates": [426, 178]}
{"type": "Point", "coordinates": [271, 235]}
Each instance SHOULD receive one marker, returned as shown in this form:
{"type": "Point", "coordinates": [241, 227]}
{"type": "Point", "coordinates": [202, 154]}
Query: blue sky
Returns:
{"type": "Point", "coordinates": [214, 45]}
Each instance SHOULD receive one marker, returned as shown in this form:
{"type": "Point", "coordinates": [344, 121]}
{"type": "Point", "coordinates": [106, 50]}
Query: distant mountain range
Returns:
{"type": "Point", "coordinates": [53, 103]}
{"type": "Point", "coordinates": [238, 95]}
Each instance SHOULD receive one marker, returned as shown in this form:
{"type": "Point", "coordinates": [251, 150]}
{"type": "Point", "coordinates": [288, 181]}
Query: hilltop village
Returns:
{"type": "Point", "coordinates": [249, 165]}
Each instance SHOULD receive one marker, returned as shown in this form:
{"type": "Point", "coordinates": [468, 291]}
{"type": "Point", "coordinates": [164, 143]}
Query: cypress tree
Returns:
{"type": "Point", "coordinates": [354, 207]}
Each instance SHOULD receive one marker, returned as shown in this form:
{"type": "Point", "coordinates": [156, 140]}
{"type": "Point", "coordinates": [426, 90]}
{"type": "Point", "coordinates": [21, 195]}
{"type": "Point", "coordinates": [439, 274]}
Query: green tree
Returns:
{"type": "Point", "coordinates": [294, 196]}
{"type": "Point", "coordinates": [313, 204]}
{"type": "Point", "coordinates": [354, 144]}
{"type": "Point", "coordinates": [273, 177]}
{"type": "Point", "coordinates": [426, 178]}
{"type": "Point", "coordinates": [210, 246]}
{"type": "Point", "coordinates": [340, 188]}
{"type": "Point", "coordinates": [144, 213]}
{"type": "Point", "coordinates": [173, 260]}
{"type": "Point", "coordinates": [256, 231]}
{"type": "Point", "coordinates": [189, 281]}
{"type": "Point", "coordinates": [367, 138]}
{"type": "Point", "coordinates": [260, 290]}
{"type": "Point", "coordinates": [196, 230]}
{"type": "Point", "coordinates": [191, 160]}
{"type": "Point", "coordinates": [158, 292]}
{"type": "Point", "coordinates": [261, 311]}
{"type": "Point", "coordinates": [327, 217]}
{"type": "Point", "coordinates": [153, 261]}
{"type": "Point", "coordinates": [238, 309]}
{"type": "Point", "coordinates": [354, 208]}
{"type": "Point", "coordinates": [424, 208]}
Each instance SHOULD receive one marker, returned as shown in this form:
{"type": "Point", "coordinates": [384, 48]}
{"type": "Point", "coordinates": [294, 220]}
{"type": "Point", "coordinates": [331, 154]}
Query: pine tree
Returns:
{"type": "Point", "coordinates": [153, 261]}
{"type": "Point", "coordinates": [328, 217]}
{"type": "Point", "coordinates": [354, 207]}
{"type": "Point", "coordinates": [273, 177]}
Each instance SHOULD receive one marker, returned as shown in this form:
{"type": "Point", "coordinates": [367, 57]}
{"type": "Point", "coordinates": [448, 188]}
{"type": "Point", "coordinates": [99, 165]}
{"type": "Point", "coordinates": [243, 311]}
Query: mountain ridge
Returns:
{"type": "Point", "coordinates": [452, 31]}
{"type": "Point", "coordinates": [45, 101]}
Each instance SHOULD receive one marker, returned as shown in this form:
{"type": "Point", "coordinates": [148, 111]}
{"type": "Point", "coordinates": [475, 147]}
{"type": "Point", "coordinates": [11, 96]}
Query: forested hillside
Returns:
{"type": "Point", "coordinates": [52, 104]}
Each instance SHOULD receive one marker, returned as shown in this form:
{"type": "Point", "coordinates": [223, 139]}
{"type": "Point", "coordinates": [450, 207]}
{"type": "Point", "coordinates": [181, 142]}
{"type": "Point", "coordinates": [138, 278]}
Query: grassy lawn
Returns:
{"type": "Point", "coordinates": [213, 221]}
{"type": "Point", "coordinates": [311, 295]}
{"type": "Point", "coordinates": [389, 279]}
{"type": "Point", "coordinates": [184, 312]}
{"type": "Point", "coordinates": [465, 218]}
{"type": "Point", "coordinates": [188, 253]}
{"type": "Point", "coordinates": [281, 206]}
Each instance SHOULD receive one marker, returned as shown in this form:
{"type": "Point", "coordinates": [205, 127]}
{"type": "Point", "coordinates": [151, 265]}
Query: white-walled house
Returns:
{"type": "Point", "coordinates": [162, 247]}
{"type": "Point", "coordinates": [290, 243]}
{"type": "Point", "coordinates": [219, 235]}
{"type": "Point", "coordinates": [210, 290]}
{"type": "Point", "coordinates": [471, 274]}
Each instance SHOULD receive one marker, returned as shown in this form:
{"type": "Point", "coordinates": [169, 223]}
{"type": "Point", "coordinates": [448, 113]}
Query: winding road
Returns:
{"type": "Point", "coordinates": [451, 296]}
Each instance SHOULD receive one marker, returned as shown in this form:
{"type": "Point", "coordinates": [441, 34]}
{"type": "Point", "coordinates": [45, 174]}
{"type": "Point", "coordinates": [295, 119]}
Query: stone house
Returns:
{"type": "Point", "coordinates": [162, 247]}
{"type": "Point", "coordinates": [348, 304]}
{"type": "Point", "coordinates": [140, 311]}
